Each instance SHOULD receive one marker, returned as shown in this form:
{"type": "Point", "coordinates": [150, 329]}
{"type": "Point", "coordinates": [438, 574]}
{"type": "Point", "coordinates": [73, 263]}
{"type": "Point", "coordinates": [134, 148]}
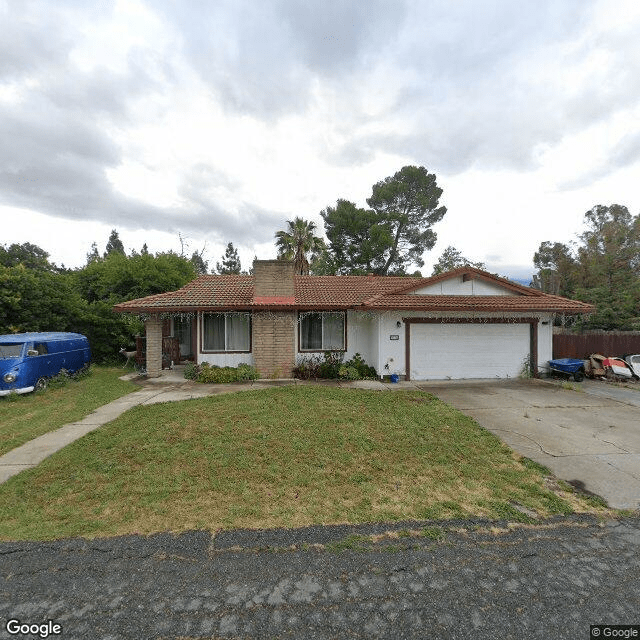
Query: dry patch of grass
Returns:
{"type": "Point", "coordinates": [25, 417]}
{"type": "Point", "coordinates": [282, 457]}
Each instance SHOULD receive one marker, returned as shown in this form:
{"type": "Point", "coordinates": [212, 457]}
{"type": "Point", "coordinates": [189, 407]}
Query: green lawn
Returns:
{"type": "Point", "coordinates": [281, 457]}
{"type": "Point", "coordinates": [24, 417]}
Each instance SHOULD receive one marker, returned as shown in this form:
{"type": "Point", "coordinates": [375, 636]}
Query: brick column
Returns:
{"type": "Point", "coordinates": [273, 343]}
{"type": "Point", "coordinates": [274, 332]}
{"type": "Point", "coordinates": [153, 328]}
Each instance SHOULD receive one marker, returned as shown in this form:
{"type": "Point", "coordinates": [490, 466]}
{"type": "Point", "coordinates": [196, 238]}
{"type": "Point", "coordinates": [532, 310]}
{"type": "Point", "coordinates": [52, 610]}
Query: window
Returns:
{"type": "Point", "coordinates": [226, 332]}
{"type": "Point", "coordinates": [322, 331]}
{"type": "Point", "coordinates": [10, 350]}
{"type": "Point", "coordinates": [41, 348]}
{"type": "Point", "coordinates": [182, 331]}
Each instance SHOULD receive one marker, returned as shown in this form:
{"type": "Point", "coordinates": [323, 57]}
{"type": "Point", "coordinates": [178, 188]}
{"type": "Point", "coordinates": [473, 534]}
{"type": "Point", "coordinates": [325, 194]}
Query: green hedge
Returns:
{"type": "Point", "coordinates": [209, 374]}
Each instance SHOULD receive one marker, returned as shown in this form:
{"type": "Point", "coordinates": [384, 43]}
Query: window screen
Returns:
{"type": "Point", "coordinates": [237, 332]}
{"type": "Point", "coordinates": [226, 332]}
{"type": "Point", "coordinates": [322, 331]}
{"type": "Point", "coordinates": [333, 331]}
{"type": "Point", "coordinates": [311, 331]}
{"type": "Point", "coordinates": [213, 333]}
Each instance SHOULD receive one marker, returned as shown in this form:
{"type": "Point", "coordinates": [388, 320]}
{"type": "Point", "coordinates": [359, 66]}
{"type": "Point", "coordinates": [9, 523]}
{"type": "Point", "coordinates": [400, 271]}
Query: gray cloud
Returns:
{"type": "Point", "coordinates": [101, 92]}
{"type": "Point", "coordinates": [446, 85]}
{"type": "Point", "coordinates": [333, 38]}
{"type": "Point", "coordinates": [489, 83]}
{"type": "Point", "coordinates": [203, 188]}
{"type": "Point", "coordinates": [262, 58]}
{"type": "Point", "coordinates": [28, 45]}
{"type": "Point", "coordinates": [38, 35]}
{"type": "Point", "coordinates": [624, 153]}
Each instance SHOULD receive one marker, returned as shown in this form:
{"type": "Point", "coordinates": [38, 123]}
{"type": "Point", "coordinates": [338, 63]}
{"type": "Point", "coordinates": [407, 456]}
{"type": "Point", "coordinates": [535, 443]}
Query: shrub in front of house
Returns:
{"type": "Point", "coordinates": [331, 366]}
{"type": "Point", "coordinates": [191, 371]}
{"type": "Point", "coordinates": [212, 374]}
{"type": "Point", "coordinates": [364, 370]}
{"type": "Point", "coordinates": [247, 372]}
{"type": "Point", "coordinates": [348, 373]}
{"type": "Point", "coordinates": [307, 368]}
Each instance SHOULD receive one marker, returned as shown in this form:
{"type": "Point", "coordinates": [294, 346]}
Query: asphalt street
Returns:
{"type": "Point", "coordinates": [412, 580]}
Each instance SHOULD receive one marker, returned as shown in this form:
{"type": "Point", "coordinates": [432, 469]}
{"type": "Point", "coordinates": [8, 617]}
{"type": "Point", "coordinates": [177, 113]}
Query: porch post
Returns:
{"type": "Point", "coordinates": [153, 328]}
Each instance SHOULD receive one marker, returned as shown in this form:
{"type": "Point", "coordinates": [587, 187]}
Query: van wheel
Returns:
{"type": "Point", "coordinates": [41, 384]}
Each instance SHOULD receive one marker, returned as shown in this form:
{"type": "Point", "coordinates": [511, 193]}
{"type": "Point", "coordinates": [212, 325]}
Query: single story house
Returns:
{"type": "Point", "coordinates": [464, 323]}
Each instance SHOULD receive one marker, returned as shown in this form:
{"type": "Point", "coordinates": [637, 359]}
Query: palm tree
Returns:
{"type": "Point", "coordinates": [298, 241]}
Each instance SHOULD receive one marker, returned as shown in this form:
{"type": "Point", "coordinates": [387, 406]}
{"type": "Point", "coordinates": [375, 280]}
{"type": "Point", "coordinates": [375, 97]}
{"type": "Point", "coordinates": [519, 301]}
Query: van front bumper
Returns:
{"type": "Point", "coordinates": [6, 392]}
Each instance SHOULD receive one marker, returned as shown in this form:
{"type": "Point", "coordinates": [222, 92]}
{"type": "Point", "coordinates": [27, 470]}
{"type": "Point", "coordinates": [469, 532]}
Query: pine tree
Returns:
{"type": "Point", "coordinates": [451, 259]}
{"type": "Point", "coordinates": [114, 245]}
{"type": "Point", "coordinates": [93, 255]}
{"type": "Point", "coordinates": [199, 264]}
{"type": "Point", "coordinates": [230, 261]}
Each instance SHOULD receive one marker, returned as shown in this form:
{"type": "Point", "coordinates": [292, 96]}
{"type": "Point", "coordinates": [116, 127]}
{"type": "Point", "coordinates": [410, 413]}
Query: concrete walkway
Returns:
{"type": "Point", "coordinates": [171, 386]}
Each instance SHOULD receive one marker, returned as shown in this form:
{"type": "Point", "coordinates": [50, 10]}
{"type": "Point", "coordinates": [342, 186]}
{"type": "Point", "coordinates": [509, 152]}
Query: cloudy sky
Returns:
{"type": "Point", "coordinates": [221, 119]}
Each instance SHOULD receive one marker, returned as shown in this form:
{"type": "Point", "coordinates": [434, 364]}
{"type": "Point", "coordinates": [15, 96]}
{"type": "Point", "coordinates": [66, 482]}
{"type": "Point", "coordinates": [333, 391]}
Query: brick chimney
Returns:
{"type": "Point", "coordinates": [273, 330]}
{"type": "Point", "coordinates": [273, 278]}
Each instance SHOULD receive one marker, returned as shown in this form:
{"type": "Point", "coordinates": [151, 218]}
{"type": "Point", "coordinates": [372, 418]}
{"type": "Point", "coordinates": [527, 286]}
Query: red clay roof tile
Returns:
{"type": "Point", "coordinates": [229, 292]}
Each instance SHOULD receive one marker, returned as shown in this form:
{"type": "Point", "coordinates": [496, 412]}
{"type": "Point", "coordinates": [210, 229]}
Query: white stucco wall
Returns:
{"type": "Point", "coordinates": [226, 359]}
{"type": "Point", "coordinates": [456, 287]}
{"type": "Point", "coordinates": [545, 341]}
{"type": "Point", "coordinates": [361, 335]}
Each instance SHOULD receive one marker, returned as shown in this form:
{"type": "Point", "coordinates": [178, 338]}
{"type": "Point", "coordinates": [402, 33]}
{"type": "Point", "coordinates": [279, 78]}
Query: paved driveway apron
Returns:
{"type": "Point", "coordinates": [589, 440]}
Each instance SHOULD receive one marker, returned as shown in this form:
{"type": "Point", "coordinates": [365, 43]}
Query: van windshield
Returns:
{"type": "Point", "coordinates": [10, 350]}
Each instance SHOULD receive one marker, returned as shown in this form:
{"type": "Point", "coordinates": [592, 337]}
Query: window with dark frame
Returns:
{"type": "Point", "coordinates": [223, 332]}
{"type": "Point", "coordinates": [322, 331]}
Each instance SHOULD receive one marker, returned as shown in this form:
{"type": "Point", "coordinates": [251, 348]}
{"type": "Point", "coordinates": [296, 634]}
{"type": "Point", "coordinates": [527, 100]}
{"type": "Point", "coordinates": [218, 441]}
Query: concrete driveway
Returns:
{"type": "Point", "coordinates": [589, 440]}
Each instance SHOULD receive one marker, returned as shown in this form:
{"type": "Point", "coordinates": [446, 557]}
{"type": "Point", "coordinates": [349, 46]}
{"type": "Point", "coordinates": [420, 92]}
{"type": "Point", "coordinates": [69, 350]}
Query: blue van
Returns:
{"type": "Point", "coordinates": [27, 360]}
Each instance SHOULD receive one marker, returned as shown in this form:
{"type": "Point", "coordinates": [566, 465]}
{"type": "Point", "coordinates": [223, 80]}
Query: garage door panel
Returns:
{"type": "Point", "coordinates": [465, 350]}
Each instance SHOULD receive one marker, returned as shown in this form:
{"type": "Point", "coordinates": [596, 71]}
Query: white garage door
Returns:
{"type": "Point", "coordinates": [448, 350]}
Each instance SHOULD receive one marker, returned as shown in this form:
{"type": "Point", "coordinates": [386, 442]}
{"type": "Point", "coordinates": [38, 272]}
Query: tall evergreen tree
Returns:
{"type": "Point", "coordinates": [93, 254]}
{"type": "Point", "coordinates": [200, 265]}
{"type": "Point", "coordinates": [557, 269]}
{"type": "Point", "coordinates": [602, 269]}
{"type": "Point", "coordinates": [451, 258]}
{"type": "Point", "coordinates": [393, 232]}
{"type": "Point", "coordinates": [230, 262]}
{"type": "Point", "coordinates": [114, 244]}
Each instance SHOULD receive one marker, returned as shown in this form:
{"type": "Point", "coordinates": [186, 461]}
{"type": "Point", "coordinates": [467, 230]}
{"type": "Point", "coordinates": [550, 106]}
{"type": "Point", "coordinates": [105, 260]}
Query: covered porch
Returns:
{"type": "Point", "coordinates": [168, 341]}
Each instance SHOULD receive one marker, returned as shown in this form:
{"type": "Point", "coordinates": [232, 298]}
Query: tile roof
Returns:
{"type": "Point", "coordinates": [479, 303]}
{"type": "Point", "coordinates": [205, 292]}
{"type": "Point", "coordinates": [343, 291]}
{"type": "Point", "coordinates": [236, 292]}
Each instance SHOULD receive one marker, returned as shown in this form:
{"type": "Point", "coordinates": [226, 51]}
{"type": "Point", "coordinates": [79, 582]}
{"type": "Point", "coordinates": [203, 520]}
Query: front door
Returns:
{"type": "Point", "coordinates": [182, 331]}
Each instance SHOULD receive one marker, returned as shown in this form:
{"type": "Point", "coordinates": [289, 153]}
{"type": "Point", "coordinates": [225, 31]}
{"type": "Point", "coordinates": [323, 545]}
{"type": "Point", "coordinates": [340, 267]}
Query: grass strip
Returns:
{"type": "Point", "coordinates": [25, 417]}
